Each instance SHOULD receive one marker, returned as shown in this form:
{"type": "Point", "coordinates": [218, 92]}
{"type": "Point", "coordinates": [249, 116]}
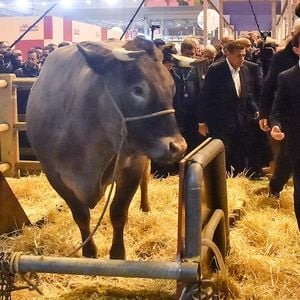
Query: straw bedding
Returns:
{"type": "Point", "coordinates": [264, 262]}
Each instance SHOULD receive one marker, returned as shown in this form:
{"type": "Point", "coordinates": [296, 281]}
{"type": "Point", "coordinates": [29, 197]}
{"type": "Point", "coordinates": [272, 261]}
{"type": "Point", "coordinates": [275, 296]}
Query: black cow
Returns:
{"type": "Point", "coordinates": [78, 113]}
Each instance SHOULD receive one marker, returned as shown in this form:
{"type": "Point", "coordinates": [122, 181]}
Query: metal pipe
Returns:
{"type": "Point", "coordinates": [209, 231]}
{"type": "Point", "coordinates": [207, 154]}
{"type": "Point", "coordinates": [193, 222]}
{"type": "Point", "coordinates": [211, 159]}
{"type": "Point", "coordinates": [185, 271]}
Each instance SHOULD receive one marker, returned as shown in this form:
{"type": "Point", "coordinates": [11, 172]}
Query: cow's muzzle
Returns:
{"type": "Point", "coordinates": [177, 149]}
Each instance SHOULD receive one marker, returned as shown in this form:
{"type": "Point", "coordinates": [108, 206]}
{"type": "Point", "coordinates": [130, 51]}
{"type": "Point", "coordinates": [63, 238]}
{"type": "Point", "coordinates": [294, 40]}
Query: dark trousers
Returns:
{"type": "Point", "coordinates": [235, 152]}
{"type": "Point", "coordinates": [296, 179]}
{"type": "Point", "coordinates": [258, 149]}
{"type": "Point", "coordinates": [282, 169]}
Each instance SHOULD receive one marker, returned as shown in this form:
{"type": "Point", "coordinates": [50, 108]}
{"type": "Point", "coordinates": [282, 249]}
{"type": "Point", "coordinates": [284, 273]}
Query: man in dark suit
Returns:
{"type": "Point", "coordinates": [257, 139]}
{"type": "Point", "coordinates": [282, 60]}
{"type": "Point", "coordinates": [285, 117]}
{"type": "Point", "coordinates": [228, 104]}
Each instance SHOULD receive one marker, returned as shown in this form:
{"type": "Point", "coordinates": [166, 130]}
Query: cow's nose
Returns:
{"type": "Point", "coordinates": [177, 148]}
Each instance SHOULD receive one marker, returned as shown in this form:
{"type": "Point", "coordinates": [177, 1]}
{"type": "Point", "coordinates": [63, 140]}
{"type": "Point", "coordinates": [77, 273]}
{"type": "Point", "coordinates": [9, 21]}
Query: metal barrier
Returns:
{"type": "Point", "coordinates": [203, 234]}
{"type": "Point", "coordinates": [203, 226]}
{"type": "Point", "coordinates": [10, 162]}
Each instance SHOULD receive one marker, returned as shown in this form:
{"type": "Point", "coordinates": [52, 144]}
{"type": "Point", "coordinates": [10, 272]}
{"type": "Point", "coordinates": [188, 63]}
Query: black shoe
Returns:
{"type": "Point", "coordinates": [254, 175]}
{"type": "Point", "coordinates": [274, 195]}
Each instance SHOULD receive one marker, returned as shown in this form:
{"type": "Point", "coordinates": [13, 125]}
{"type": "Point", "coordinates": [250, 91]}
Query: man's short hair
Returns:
{"type": "Point", "coordinates": [232, 46]}
{"type": "Point", "coordinates": [32, 50]}
{"type": "Point", "coordinates": [245, 41]}
{"type": "Point", "coordinates": [3, 42]}
{"type": "Point", "coordinates": [187, 44]}
{"type": "Point", "coordinates": [210, 50]}
{"type": "Point", "coordinates": [296, 40]}
{"type": "Point", "coordinates": [158, 42]}
{"type": "Point", "coordinates": [226, 39]}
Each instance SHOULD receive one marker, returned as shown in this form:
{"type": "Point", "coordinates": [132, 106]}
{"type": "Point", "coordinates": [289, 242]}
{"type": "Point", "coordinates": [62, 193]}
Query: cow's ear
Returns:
{"type": "Point", "coordinates": [96, 56]}
{"type": "Point", "coordinates": [99, 57]}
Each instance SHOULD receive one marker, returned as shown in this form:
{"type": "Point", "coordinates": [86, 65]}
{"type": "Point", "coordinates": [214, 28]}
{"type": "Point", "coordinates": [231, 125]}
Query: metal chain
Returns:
{"type": "Point", "coordinates": [6, 277]}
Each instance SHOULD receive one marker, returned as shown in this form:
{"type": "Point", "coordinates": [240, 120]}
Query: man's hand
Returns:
{"type": "Point", "coordinates": [277, 134]}
{"type": "Point", "coordinates": [203, 129]}
{"type": "Point", "coordinates": [263, 124]}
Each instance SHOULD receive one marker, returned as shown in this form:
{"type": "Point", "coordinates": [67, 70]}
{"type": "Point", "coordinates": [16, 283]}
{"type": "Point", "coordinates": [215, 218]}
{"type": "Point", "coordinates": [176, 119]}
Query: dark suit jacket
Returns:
{"type": "Point", "coordinates": [257, 78]}
{"type": "Point", "coordinates": [282, 60]}
{"type": "Point", "coordinates": [286, 112]}
{"type": "Point", "coordinates": [222, 110]}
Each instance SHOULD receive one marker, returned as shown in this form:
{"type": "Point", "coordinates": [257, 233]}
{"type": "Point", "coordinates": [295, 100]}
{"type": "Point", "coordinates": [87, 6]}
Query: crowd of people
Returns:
{"type": "Point", "coordinates": [13, 61]}
{"type": "Point", "coordinates": [238, 92]}
{"type": "Point", "coordinates": [228, 91]}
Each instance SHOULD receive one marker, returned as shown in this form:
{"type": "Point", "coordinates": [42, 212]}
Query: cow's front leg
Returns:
{"type": "Point", "coordinates": [145, 206]}
{"type": "Point", "coordinates": [80, 212]}
{"type": "Point", "coordinates": [81, 215]}
{"type": "Point", "coordinates": [128, 180]}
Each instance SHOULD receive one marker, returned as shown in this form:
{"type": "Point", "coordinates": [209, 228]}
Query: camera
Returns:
{"type": "Point", "coordinates": [153, 26]}
{"type": "Point", "coordinates": [265, 34]}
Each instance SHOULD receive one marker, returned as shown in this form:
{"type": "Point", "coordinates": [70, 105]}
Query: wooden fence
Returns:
{"type": "Point", "coordinates": [10, 125]}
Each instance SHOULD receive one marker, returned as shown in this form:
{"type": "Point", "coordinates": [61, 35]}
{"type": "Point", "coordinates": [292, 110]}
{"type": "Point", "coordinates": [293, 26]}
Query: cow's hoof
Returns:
{"type": "Point", "coordinates": [117, 255]}
{"type": "Point", "coordinates": [145, 209]}
{"type": "Point", "coordinates": [90, 252]}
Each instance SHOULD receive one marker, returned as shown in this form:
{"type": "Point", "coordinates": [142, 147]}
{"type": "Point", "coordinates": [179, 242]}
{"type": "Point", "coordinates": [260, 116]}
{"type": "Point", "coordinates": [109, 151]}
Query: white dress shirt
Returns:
{"type": "Point", "coordinates": [236, 77]}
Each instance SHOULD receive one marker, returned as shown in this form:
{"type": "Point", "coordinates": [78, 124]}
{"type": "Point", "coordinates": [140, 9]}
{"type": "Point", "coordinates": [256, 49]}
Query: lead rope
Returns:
{"type": "Point", "coordinates": [123, 136]}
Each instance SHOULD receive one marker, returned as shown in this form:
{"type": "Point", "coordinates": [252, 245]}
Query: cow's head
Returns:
{"type": "Point", "coordinates": [139, 84]}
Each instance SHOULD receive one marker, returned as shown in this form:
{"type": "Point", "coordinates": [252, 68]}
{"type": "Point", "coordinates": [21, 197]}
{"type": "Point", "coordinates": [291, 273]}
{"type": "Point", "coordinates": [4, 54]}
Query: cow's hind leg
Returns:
{"type": "Point", "coordinates": [80, 212]}
{"type": "Point", "coordinates": [128, 180]}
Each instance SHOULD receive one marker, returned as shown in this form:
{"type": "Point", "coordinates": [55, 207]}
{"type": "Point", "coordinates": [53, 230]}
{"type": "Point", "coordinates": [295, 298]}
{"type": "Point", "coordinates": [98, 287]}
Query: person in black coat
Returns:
{"type": "Point", "coordinates": [6, 65]}
{"type": "Point", "coordinates": [285, 119]}
{"type": "Point", "coordinates": [282, 60]}
{"type": "Point", "coordinates": [187, 78]}
{"type": "Point", "coordinates": [259, 157]}
{"type": "Point", "coordinates": [228, 105]}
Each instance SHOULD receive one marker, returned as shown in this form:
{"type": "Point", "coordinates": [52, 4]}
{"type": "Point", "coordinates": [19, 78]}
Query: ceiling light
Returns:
{"type": "Point", "coordinates": [112, 2]}
{"type": "Point", "coordinates": [67, 3]}
{"type": "Point", "coordinates": [22, 3]}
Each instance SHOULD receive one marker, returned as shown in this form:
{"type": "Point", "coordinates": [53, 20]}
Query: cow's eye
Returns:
{"type": "Point", "coordinates": [138, 91]}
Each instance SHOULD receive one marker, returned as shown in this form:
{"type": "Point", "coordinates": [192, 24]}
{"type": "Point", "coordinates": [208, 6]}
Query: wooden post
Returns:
{"type": "Point", "coordinates": [274, 34]}
{"type": "Point", "coordinates": [8, 115]}
{"type": "Point", "coordinates": [221, 19]}
{"type": "Point", "coordinates": [290, 14]}
{"type": "Point", "coordinates": [205, 29]}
